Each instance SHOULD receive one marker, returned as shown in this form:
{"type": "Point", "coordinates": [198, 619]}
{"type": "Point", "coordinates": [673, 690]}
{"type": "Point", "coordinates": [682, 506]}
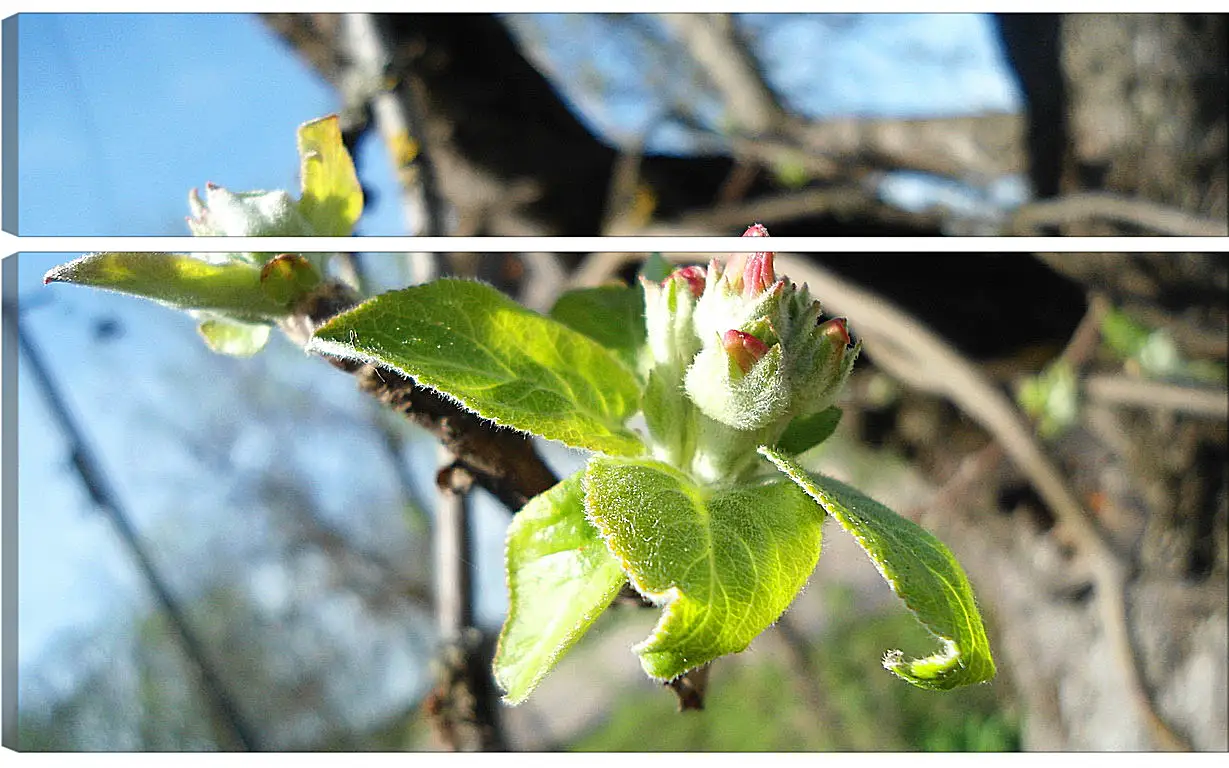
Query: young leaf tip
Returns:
{"type": "Point", "coordinates": [65, 273]}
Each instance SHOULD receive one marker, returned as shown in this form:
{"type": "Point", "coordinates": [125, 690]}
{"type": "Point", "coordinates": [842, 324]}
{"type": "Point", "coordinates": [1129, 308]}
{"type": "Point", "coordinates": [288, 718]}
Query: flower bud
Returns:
{"type": "Point", "coordinates": [837, 330]}
{"type": "Point", "coordinates": [245, 214]}
{"type": "Point", "coordinates": [668, 309]}
{"type": "Point", "coordinates": [744, 400]}
{"type": "Point", "coordinates": [750, 355]}
{"type": "Point", "coordinates": [758, 274]}
{"type": "Point", "coordinates": [744, 349]}
{"type": "Point", "coordinates": [694, 277]}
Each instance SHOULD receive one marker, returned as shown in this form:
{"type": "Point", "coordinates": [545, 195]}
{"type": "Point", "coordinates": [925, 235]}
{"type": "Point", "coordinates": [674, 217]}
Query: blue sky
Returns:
{"type": "Point", "coordinates": [120, 115]}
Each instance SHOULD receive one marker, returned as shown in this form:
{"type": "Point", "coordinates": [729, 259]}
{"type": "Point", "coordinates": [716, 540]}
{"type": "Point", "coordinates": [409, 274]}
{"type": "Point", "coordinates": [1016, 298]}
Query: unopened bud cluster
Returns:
{"type": "Point", "coordinates": [734, 355]}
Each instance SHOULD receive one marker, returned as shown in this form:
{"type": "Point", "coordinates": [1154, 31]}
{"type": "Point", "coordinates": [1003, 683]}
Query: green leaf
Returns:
{"type": "Point", "coordinates": [613, 316]}
{"type": "Point", "coordinates": [235, 339]}
{"type": "Point", "coordinates": [512, 366]}
{"type": "Point", "coordinates": [560, 579]}
{"type": "Point", "coordinates": [726, 563]}
{"type": "Point", "coordinates": [232, 289]}
{"type": "Point", "coordinates": [921, 571]}
{"type": "Point", "coordinates": [656, 267]}
{"type": "Point", "coordinates": [806, 432]}
{"type": "Point", "coordinates": [332, 198]}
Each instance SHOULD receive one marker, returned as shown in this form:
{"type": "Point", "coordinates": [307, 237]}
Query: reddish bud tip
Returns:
{"type": "Point", "coordinates": [210, 185]}
{"type": "Point", "coordinates": [694, 277]}
{"type": "Point", "coordinates": [743, 348]}
{"type": "Point", "coordinates": [758, 274]}
{"type": "Point", "coordinates": [756, 230]}
{"type": "Point", "coordinates": [837, 330]}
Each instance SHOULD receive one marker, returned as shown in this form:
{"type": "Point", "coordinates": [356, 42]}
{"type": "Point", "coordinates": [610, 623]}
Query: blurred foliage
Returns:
{"type": "Point", "coordinates": [1152, 352]}
{"type": "Point", "coordinates": [757, 706]}
{"type": "Point", "coordinates": [1051, 398]}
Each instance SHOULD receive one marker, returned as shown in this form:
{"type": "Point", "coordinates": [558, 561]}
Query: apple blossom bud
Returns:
{"type": "Point", "coordinates": [694, 277]}
{"type": "Point", "coordinates": [750, 355]}
{"type": "Point", "coordinates": [758, 274]}
{"type": "Point", "coordinates": [744, 349]}
{"type": "Point", "coordinates": [837, 330]}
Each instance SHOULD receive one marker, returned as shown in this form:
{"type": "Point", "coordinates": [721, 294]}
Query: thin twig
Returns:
{"type": "Point", "coordinates": [839, 201]}
{"type": "Point", "coordinates": [373, 78]}
{"type": "Point", "coordinates": [104, 497]}
{"type": "Point", "coordinates": [545, 278]}
{"type": "Point", "coordinates": [462, 706]}
{"type": "Point", "coordinates": [715, 46]}
{"type": "Point", "coordinates": [623, 208]}
{"type": "Point", "coordinates": [1142, 393]}
{"type": "Point", "coordinates": [1083, 206]}
{"type": "Point", "coordinates": [1087, 335]}
{"type": "Point", "coordinates": [690, 688]}
{"type": "Point", "coordinates": [453, 550]}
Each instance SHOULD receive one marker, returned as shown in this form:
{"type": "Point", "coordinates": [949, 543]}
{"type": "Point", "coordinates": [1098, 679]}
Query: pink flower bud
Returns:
{"type": "Point", "coordinates": [751, 275]}
{"type": "Point", "coordinates": [743, 348]}
{"type": "Point", "coordinates": [758, 274]}
{"type": "Point", "coordinates": [836, 330]}
{"type": "Point", "coordinates": [694, 277]}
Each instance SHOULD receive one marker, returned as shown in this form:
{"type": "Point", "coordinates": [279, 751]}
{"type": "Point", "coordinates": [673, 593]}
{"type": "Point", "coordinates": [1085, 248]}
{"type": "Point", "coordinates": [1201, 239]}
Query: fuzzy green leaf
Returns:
{"type": "Point", "coordinates": [512, 366]}
{"type": "Point", "coordinates": [806, 432]}
{"type": "Point", "coordinates": [235, 339]}
{"type": "Point", "coordinates": [560, 579]}
{"type": "Point", "coordinates": [332, 198]}
{"type": "Point", "coordinates": [726, 563]}
{"type": "Point", "coordinates": [921, 571]}
{"type": "Point", "coordinates": [231, 289]}
{"type": "Point", "coordinates": [613, 316]}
